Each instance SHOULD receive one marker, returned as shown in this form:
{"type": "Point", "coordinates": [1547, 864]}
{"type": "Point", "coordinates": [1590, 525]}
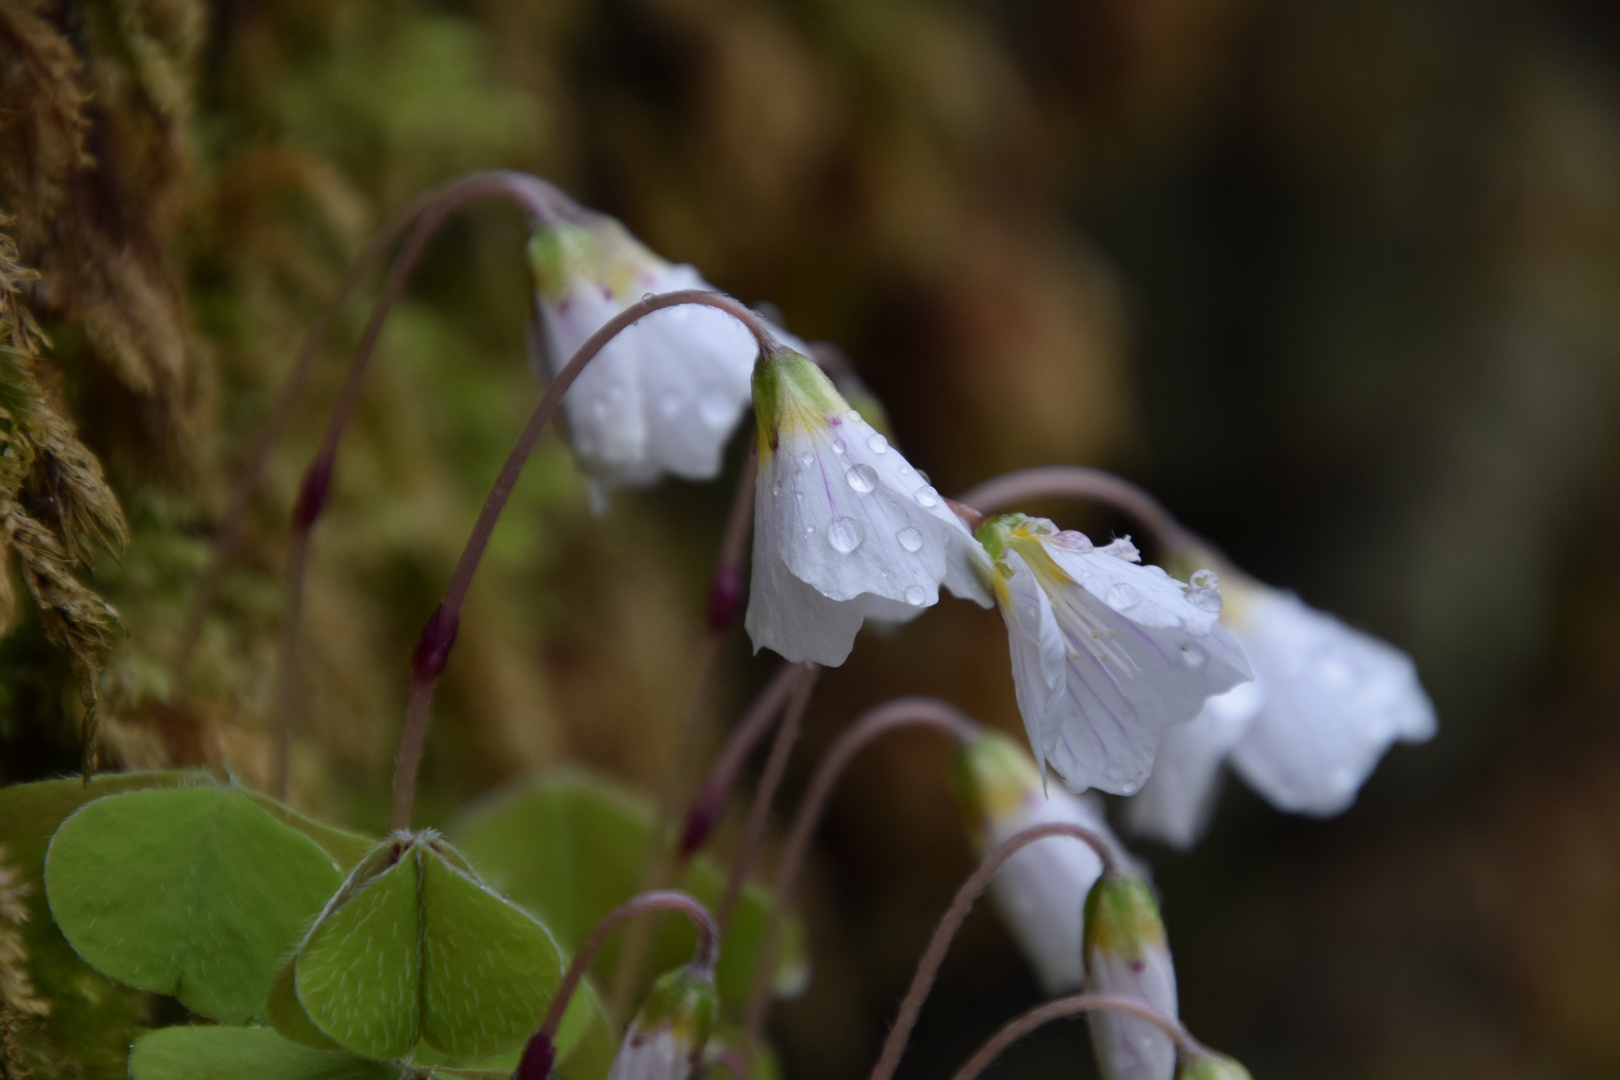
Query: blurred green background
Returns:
{"type": "Point", "coordinates": [1339, 281]}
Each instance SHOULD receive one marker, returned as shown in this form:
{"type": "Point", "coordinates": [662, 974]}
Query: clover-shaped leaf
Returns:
{"type": "Point", "coordinates": [196, 892]}
{"type": "Point", "coordinates": [415, 949]}
{"type": "Point", "coordinates": [209, 1053]}
{"type": "Point", "coordinates": [570, 846]}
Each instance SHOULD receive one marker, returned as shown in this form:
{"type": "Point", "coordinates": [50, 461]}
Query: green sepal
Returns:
{"type": "Point", "coordinates": [1122, 918]}
{"type": "Point", "coordinates": [414, 949]}
{"type": "Point", "coordinates": [1211, 1066]}
{"type": "Point", "coordinates": [196, 892]}
{"type": "Point", "coordinates": [216, 1053]}
{"type": "Point", "coordinates": [570, 847]}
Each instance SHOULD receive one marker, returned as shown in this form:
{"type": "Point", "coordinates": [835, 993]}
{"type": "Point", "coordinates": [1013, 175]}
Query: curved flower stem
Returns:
{"type": "Point", "coordinates": [432, 650]}
{"type": "Point", "coordinates": [775, 765]}
{"type": "Point", "coordinates": [1070, 1006]}
{"type": "Point", "coordinates": [899, 713]}
{"type": "Point", "coordinates": [539, 197]}
{"type": "Point", "coordinates": [540, 1051]}
{"type": "Point", "coordinates": [951, 922]}
{"type": "Point", "coordinates": [1078, 482]}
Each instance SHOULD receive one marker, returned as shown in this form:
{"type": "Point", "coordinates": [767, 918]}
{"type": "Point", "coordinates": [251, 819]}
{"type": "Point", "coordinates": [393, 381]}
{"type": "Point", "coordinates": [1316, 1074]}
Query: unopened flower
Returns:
{"type": "Point", "coordinates": [1330, 701]}
{"type": "Point", "coordinates": [1040, 892]}
{"type": "Point", "coordinates": [844, 527]}
{"type": "Point", "coordinates": [666, 1039]}
{"type": "Point", "coordinates": [666, 393]}
{"type": "Point", "coordinates": [1127, 955]}
{"type": "Point", "coordinates": [1210, 1066]}
{"type": "Point", "coordinates": [1106, 653]}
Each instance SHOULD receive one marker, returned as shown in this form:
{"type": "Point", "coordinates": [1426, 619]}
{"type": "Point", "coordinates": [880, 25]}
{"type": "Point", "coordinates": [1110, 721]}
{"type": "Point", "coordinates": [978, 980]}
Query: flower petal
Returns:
{"type": "Point", "coordinates": [1038, 653]}
{"type": "Point", "coordinates": [1336, 699]}
{"type": "Point", "coordinates": [1129, 1048]}
{"type": "Point", "coordinates": [1175, 804]}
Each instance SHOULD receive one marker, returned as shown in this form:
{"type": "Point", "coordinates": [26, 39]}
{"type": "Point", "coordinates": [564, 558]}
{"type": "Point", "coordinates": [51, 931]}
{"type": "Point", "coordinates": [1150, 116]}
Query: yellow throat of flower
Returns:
{"type": "Point", "coordinates": [791, 395]}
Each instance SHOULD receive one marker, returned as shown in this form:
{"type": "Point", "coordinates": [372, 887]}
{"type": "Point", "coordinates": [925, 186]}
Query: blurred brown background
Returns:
{"type": "Point", "coordinates": [1339, 281]}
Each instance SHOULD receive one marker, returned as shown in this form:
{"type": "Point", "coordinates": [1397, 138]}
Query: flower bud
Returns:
{"type": "Point", "coordinates": [1040, 891]}
{"type": "Point", "coordinates": [1127, 954]}
{"type": "Point", "coordinates": [666, 1039]}
{"type": "Point", "coordinates": [1212, 1067]}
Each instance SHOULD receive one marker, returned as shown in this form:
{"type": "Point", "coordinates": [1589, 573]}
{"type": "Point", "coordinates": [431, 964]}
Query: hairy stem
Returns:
{"type": "Point", "coordinates": [1070, 1006]}
{"type": "Point", "coordinates": [928, 967]}
{"type": "Point", "coordinates": [531, 192]}
{"type": "Point", "coordinates": [899, 713]}
{"type": "Point", "coordinates": [775, 765]}
{"type": "Point", "coordinates": [433, 650]}
{"type": "Point", "coordinates": [1078, 482]}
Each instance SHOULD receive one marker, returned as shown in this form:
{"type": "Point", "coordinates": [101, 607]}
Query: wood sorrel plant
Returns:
{"type": "Point", "coordinates": [304, 950]}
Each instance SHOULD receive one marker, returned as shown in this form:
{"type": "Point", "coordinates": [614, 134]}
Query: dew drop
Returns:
{"type": "Point", "coordinates": [646, 296]}
{"type": "Point", "coordinates": [1204, 599]}
{"type": "Point", "coordinates": [1128, 787]}
{"type": "Point", "coordinates": [926, 496]}
{"type": "Point", "coordinates": [853, 414]}
{"type": "Point", "coordinates": [877, 443]}
{"type": "Point", "coordinates": [916, 595]}
{"type": "Point", "coordinates": [838, 446]}
{"type": "Point", "coordinates": [863, 478]}
{"type": "Point", "coordinates": [715, 408]}
{"type": "Point", "coordinates": [1193, 656]}
{"type": "Point", "coordinates": [776, 488]}
{"type": "Point", "coordinates": [1123, 597]}
{"type": "Point", "coordinates": [809, 530]}
{"type": "Point", "coordinates": [845, 535]}
{"type": "Point", "coordinates": [807, 459]}
{"type": "Point", "coordinates": [924, 477]}
{"type": "Point", "coordinates": [1204, 579]}
{"type": "Point", "coordinates": [909, 538]}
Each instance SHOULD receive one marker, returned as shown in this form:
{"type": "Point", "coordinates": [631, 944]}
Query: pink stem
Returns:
{"type": "Point", "coordinates": [901, 712]}
{"type": "Point", "coordinates": [532, 192]}
{"type": "Point", "coordinates": [1069, 1006]}
{"type": "Point", "coordinates": [432, 650]}
{"type": "Point", "coordinates": [951, 922]}
{"type": "Point", "coordinates": [1078, 482]}
{"type": "Point", "coordinates": [769, 781]}
{"type": "Point", "coordinates": [708, 947]}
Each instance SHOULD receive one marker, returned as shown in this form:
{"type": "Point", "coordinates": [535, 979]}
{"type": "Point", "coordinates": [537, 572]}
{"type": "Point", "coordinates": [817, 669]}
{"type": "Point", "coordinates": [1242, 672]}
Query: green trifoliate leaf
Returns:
{"type": "Point", "coordinates": [414, 949]}
{"type": "Point", "coordinates": [196, 892]}
{"type": "Point", "coordinates": [570, 848]}
{"type": "Point", "coordinates": [215, 1053]}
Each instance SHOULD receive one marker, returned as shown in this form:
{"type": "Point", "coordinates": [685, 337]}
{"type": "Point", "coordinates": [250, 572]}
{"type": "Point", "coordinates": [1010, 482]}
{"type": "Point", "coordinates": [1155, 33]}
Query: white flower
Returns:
{"type": "Point", "coordinates": [1328, 701]}
{"type": "Point", "coordinates": [1127, 954]}
{"type": "Point", "coordinates": [1336, 699]}
{"type": "Point", "coordinates": [665, 394]}
{"type": "Point", "coordinates": [666, 1039]}
{"type": "Point", "coordinates": [1040, 892]}
{"type": "Point", "coordinates": [1106, 653]}
{"type": "Point", "coordinates": [844, 527]}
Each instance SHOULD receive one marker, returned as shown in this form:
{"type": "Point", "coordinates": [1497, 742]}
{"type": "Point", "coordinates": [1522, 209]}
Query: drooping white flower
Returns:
{"type": "Point", "coordinates": [1329, 700]}
{"type": "Point", "coordinates": [1106, 653]}
{"type": "Point", "coordinates": [665, 394]}
{"type": "Point", "coordinates": [665, 1041]}
{"type": "Point", "coordinates": [844, 527]}
{"type": "Point", "coordinates": [1040, 892]}
{"type": "Point", "coordinates": [1127, 954]}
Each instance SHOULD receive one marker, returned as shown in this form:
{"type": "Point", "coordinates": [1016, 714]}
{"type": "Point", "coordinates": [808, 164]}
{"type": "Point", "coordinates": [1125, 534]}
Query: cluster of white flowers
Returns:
{"type": "Point", "coordinates": [1130, 681]}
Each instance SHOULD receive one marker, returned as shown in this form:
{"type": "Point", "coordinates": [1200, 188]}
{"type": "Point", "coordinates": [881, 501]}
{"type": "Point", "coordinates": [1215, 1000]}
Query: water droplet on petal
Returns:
{"type": "Point", "coordinates": [1204, 579]}
{"type": "Point", "coordinates": [853, 414]}
{"type": "Point", "coordinates": [863, 478]}
{"type": "Point", "coordinates": [715, 408]}
{"type": "Point", "coordinates": [924, 477]}
{"type": "Point", "coordinates": [838, 446]}
{"type": "Point", "coordinates": [909, 538]}
{"type": "Point", "coordinates": [916, 595]}
{"type": "Point", "coordinates": [776, 488]}
{"type": "Point", "coordinates": [1128, 787]}
{"type": "Point", "coordinates": [877, 443]}
{"type": "Point", "coordinates": [807, 459]}
{"type": "Point", "coordinates": [845, 535]}
{"type": "Point", "coordinates": [926, 496]}
{"type": "Point", "coordinates": [809, 530]}
{"type": "Point", "coordinates": [1122, 597]}
{"type": "Point", "coordinates": [1193, 656]}
{"type": "Point", "coordinates": [1204, 599]}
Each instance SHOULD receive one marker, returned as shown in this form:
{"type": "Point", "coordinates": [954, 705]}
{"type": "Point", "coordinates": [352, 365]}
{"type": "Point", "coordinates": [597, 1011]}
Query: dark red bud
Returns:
{"type": "Point", "coordinates": [312, 495]}
{"type": "Point", "coordinates": [432, 650]}
{"type": "Point", "coordinates": [537, 1060]}
{"type": "Point", "coordinates": [700, 821]}
{"type": "Point", "coordinates": [725, 597]}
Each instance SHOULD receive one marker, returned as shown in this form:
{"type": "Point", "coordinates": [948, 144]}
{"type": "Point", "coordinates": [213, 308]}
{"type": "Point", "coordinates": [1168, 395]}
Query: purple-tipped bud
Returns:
{"type": "Point", "coordinates": [537, 1060]}
{"type": "Point", "coordinates": [725, 597]}
{"type": "Point", "coordinates": [312, 495]}
{"type": "Point", "coordinates": [700, 821]}
{"type": "Point", "coordinates": [432, 650]}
